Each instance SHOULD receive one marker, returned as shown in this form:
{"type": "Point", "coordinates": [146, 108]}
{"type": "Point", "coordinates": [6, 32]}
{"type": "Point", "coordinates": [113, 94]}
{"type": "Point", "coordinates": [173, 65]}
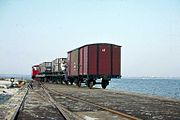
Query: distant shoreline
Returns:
{"type": "Point", "coordinates": [16, 76]}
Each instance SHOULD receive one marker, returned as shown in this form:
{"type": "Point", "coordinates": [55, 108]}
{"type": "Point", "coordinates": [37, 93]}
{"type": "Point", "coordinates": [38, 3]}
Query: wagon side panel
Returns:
{"type": "Point", "coordinates": [104, 59]}
{"type": "Point", "coordinates": [69, 63]}
{"type": "Point", "coordinates": [116, 60]}
{"type": "Point", "coordinates": [81, 61]}
{"type": "Point", "coordinates": [74, 62]}
{"type": "Point", "coordinates": [85, 58]}
{"type": "Point", "coordinates": [92, 60]}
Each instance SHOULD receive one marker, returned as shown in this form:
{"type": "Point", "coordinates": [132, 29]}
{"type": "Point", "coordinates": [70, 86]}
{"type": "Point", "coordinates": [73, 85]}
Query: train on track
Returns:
{"type": "Point", "coordinates": [85, 64]}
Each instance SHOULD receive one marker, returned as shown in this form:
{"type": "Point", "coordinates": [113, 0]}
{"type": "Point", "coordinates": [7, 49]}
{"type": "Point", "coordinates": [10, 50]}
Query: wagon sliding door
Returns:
{"type": "Point", "coordinates": [74, 62]}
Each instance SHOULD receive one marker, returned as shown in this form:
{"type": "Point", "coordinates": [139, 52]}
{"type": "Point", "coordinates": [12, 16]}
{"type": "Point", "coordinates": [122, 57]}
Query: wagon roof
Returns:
{"type": "Point", "coordinates": [93, 44]}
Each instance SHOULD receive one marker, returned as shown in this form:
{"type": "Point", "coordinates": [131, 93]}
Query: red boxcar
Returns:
{"type": "Point", "coordinates": [92, 61]}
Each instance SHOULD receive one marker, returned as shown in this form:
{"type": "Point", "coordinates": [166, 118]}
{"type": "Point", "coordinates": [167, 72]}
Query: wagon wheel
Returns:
{"type": "Point", "coordinates": [105, 82]}
{"type": "Point", "coordinates": [66, 82]}
{"type": "Point", "coordinates": [71, 82]}
{"type": "Point", "coordinates": [104, 85]}
{"type": "Point", "coordinates": [61, 82]}
{"type": "Point", "coordinates": [56, 81]}
{"type": "Point", "coordinates": [90, 85]}
{"type": "Point", "coordinates": [79, 83]}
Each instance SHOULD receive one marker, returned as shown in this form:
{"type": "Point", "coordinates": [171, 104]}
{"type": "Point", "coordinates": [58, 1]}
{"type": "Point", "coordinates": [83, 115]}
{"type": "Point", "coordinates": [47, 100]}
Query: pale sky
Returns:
{"type": "Point", "coordinates": [34, 31]}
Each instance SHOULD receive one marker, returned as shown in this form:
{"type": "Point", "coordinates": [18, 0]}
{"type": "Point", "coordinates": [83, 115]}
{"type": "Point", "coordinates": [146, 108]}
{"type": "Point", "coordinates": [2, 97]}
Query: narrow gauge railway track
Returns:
{"type": "Point", "coordinates": [80, 106]}
{"type": "Point", "coordinates": [19, 102]}
{"type": "Point", "coordinates": [38, 105]}
{"type": "Point", "coordinates": [61, 112]}
{"type": "Point", "coordinates": [141, 106]}
{"type": "Point", "coordinates": [67, 115]}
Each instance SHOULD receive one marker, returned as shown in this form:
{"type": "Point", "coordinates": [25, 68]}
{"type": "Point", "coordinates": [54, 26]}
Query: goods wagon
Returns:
{"type": "Point", "coordinates": [59, 65]}
{"type": "Point", "coordinates": [90, 62]}
{"type": "Point", "coordinates": [46, 67]}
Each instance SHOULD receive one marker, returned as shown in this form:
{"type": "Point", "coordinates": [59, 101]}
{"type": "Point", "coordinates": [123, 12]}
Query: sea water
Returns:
{"type": "Point", "coordinates": [5, 91]}
{"type": "Point", "coordinates": [169, 88]}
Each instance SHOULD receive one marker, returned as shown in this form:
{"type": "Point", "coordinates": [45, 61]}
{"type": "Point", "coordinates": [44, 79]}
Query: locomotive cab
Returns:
{"type": "Point", "coordinates": [35, 71]}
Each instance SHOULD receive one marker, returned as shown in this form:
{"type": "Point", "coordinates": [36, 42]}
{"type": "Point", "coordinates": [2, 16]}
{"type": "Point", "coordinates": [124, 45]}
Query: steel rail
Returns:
{"type": "Point", "coordinates": [16, 113]}
{"type": "Point", "coordinates": [53, 102]}
{"type": "Point", "coordinates": [59, 107]}
{"type": "Point", "coordinates": [96, 105]}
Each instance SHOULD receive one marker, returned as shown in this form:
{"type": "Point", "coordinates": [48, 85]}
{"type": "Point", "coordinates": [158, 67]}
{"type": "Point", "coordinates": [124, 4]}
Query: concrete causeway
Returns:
{"type": "Point", "coordinates": [38, 106]}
